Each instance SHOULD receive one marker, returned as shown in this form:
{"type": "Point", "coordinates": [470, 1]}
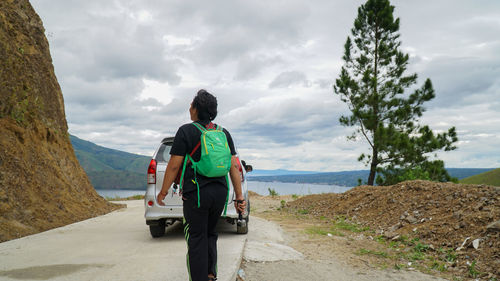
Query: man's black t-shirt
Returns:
{"type": "Point", "coordinates": [186, 139]}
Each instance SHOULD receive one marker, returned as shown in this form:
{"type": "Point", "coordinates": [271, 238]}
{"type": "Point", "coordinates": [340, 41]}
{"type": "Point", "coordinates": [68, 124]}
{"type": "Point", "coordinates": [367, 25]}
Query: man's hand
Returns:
{"type": "Point", "coordinates": [161, 196]}
{"type": "Point", "coordinates": [240, 204]}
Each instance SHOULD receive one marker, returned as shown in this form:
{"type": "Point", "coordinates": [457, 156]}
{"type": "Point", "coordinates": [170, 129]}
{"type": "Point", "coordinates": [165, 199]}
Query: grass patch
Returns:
{"type": "Point", "coordinates": [381, 254]}
{"type": "Point", "coordinates": [439, 266]}
{"type": "Point", "coordinates": [303, 211]}
{"type": "Point", "coordinates": [316, 231]}
{"type": "Point", "coordinates": [473, 272]}
{"type": "Point", "coordinates": [116, 198]}
{"type": "Point", "coordinates": [416, 256]}
{"type": "Point", "coordinates": [341, 223]}
{"type": "Point", "coordinates": [398, 266]}
{"type": "Point", "coordinates": [394, 244]}
{"type": "Point", "coordinates": [380, 239]}
{"type": "Point", "coordinates": [419, 247]}
{"type": "Point", "coordinates": [451, 256]}
{"type": "Point", "coordinates": [337, 233]}
{"type": "Point", "coordinates": [404, 239]}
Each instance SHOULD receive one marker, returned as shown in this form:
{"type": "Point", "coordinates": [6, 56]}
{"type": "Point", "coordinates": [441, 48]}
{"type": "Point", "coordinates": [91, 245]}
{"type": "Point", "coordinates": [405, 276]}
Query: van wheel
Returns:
{"type": "Point", "coordinates": [243, 228]}
{"type": "Point", "coordinates": [248, 211]}
{"type": "Point", "coordinates": [157, 230]}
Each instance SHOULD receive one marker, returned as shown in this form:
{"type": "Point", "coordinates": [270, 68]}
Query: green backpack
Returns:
{"type": "Point", "coordinates": [215, 160]}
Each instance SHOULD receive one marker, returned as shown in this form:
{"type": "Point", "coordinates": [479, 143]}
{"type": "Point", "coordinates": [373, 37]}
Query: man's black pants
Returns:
{"type": "Point", "coordinates": [199, 229]}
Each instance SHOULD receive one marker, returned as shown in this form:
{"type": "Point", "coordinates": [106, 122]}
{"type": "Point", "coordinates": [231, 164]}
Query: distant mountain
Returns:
{"type": "Point", "coordinates": [109, 168]}
{"type": "Point", "coordinates": [345, 178]}
{"type": "Point", "coordinates": [461, 173]}
{"type": "Point", "coordinates": [113, 169]}
{"type": "Point", "coordinates": [260, 173]}
{"type": "Point", "coordinates": [491, 177]}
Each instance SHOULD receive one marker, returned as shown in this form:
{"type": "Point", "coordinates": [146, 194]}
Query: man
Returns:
{"type": "Point", "coordinates": [203, 197]}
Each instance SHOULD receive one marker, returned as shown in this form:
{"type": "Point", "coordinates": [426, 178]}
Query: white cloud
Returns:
{"type": "Point", "coordinates": [129, 70]}
{"type": "Point", "coordinates": [288, 79]}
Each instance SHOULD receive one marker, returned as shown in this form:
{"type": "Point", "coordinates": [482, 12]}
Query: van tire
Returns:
{"type": "Point", "coordinates": [241, 229]}
{"type": "Point", "coordinates": [157, 230]}
{"type": "Point", "coordinates": [248, 211]}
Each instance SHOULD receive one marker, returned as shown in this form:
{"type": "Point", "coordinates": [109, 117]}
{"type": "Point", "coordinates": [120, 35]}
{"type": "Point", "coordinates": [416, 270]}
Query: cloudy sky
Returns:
{"type": "Point", "coordinates": [129, 69]}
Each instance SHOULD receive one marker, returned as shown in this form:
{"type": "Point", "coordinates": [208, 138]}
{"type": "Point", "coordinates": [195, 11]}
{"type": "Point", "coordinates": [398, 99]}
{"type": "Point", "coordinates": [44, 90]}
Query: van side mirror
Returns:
{"type": "Point", "coordinates": [248, 168]}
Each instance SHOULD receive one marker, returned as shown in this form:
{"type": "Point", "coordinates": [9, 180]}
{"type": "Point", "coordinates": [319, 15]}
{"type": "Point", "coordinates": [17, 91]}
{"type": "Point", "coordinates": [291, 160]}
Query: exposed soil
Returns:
{"type": "Point", "coordinates": [42, 185]}
{"type": "Point", "coordinates": [415, 225]}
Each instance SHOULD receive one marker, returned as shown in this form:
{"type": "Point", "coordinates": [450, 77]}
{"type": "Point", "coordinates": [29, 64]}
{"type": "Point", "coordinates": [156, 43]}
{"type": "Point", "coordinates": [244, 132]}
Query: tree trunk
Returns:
{"type": "Point", "coordinates": [373, 167]}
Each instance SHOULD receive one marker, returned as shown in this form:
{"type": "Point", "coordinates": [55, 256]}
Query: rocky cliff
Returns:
{"type": "Point", "coordinates": [42, 185]}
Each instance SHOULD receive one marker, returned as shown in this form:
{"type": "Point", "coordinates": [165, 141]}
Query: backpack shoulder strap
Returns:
{"type": "Point", "coordinates": [201, 128]}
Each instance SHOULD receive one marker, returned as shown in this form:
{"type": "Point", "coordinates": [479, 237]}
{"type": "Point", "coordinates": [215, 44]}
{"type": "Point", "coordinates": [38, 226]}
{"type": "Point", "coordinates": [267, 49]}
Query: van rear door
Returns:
{"type": "Point", "coordinates": [162, 157]}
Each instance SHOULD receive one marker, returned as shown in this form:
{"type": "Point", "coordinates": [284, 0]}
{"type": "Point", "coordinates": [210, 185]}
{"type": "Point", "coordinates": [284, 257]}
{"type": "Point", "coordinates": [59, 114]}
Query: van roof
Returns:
{"type": "Point", "coordinates": [168, 140]}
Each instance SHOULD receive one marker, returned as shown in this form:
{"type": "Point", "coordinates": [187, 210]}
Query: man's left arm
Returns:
{"type": "Point", "coordinates": [234, 173]}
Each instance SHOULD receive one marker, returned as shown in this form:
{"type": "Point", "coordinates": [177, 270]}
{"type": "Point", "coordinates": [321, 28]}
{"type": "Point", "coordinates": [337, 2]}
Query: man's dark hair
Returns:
{"type": "Point", "coordinates": [206, 104]}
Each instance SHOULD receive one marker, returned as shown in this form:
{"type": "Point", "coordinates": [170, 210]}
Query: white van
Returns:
{"type": "Point", "coordinates": [158, 217]}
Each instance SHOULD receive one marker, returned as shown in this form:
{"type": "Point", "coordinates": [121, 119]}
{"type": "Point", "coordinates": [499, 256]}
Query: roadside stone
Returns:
{"type": "Point", "coordinates": [411, 219]}
{"type": "Point", "coordinates": [494, 226]}
{"type": "Point", "coordinates": [396, 237]}
{"type": "Point", "coordinates": [390, 234]}
{"type": "Point", "coordinates": [475, 243]}
{"type": "Point", "coordinates": [457, 215]}
{"type": "Point", "coordinates": [395, 227]}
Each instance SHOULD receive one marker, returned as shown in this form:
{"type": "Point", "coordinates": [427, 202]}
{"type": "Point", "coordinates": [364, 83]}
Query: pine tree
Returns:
{"type": "Point", "coordinates": [372, 82]}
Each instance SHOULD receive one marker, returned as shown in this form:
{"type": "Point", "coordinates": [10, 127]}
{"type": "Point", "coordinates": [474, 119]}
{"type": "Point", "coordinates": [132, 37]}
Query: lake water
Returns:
{"type": "Point", "coordinates": [262, 188]}
{"type": "Point", "coordinates": [284, 188]}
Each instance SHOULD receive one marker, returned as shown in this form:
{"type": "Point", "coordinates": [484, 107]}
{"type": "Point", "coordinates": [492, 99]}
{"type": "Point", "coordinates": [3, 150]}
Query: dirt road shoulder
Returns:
{"type": "Point", "coordinates": [318, 252]}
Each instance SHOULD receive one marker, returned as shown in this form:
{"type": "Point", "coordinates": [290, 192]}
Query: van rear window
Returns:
{"type": "Point", "coordinates": [163, 154]}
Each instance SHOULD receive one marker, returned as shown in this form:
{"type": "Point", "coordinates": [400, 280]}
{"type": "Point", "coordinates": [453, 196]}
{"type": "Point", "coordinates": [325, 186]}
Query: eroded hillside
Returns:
{"type": "Point", "coordinates": [42, 185]}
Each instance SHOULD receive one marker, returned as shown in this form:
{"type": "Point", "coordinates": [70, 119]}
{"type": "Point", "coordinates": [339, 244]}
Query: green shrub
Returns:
{"type": "Point", "coordinates": [283, 204]}
{"type": "Point", "coordinates": [272, 192]}
{"type": "Point", "coordinates": [428, 170]}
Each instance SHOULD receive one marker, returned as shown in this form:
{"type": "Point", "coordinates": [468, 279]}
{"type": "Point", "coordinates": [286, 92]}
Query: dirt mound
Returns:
{"type": "Point", "coordinates": [42, 185]}
{"type": "Point", "coordinates": [253, 194]}
{"type": "Point", "coordinates": [441, 215]}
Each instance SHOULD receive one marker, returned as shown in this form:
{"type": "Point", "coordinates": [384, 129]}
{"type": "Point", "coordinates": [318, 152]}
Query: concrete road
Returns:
{"type": "Point", "coordinates": [116, 246]}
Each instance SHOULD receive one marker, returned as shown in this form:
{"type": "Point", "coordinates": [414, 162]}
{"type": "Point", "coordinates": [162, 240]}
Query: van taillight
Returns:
{"type": "Point", "coordinates": [239, 165]}
{"type": "Point", "coordinates": [152, 172]}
